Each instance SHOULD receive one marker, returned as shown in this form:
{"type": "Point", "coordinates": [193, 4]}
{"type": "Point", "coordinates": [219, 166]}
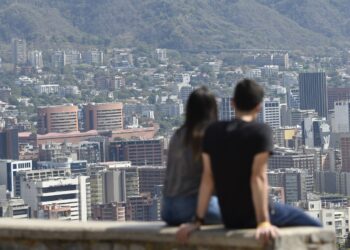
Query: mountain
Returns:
{"type": "Point", "coordinates": [180, 24]}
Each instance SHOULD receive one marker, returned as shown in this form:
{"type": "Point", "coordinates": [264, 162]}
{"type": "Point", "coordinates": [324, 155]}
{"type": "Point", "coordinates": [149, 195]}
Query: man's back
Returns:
{"type": "Point", "coordinates": [232, 147]}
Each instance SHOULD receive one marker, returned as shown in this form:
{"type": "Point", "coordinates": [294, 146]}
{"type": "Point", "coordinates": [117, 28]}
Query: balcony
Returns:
{"type": "Point", "coordinates": [47, 235]}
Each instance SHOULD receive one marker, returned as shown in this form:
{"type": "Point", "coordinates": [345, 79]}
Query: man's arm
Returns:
{"type": "Point", "coordinates": [205, 192]}
{"type": "Point", "coordinates": [259, 187]}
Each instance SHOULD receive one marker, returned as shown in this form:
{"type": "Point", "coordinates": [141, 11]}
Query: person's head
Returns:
{"type": "Point", "coordinates": [248, 96]}
{"type": "Point", "coordinates": [201, 110]}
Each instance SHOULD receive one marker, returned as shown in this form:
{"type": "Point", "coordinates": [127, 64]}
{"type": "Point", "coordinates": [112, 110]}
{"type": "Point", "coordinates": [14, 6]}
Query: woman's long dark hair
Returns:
{"type": "Point", "coordinates": [201, 110]}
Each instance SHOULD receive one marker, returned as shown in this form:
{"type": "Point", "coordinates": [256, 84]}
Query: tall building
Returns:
{"type": "Point", "coordinates": [341, 117]}
{"type": "Point", "coordinates": [293, 98]}
{"type": "Point", "coordinates": [139, 152]}
{"type": "Point", "coordinates": [39, 174]}
{"type": "Point", "coordinates": [66, 192]}
{"type": "Point", "coordinates": [58, 59]}
{"type": "Point", "coordinates": [184, 92]}
{"type": "Point", "coordinates": [226, 112]}
{"type": "Point", "coordinates": [128, 179]}
{"type": "Point", "coordinates": [334, 218]}
{"type": "Point", "coordinates": [316, 133]}
{"type": "Point", "coordinates": [35, 58]}
{"type": "Point", "coordinates": [114, 186]}
{"type": "Point", "coordinates": [345, 183]}
{"type": "Point", "coordinates": [57, 119]}
{"type": "Point", "coordinates": [151, 177]}
{"type": "Point", "coordinates": [271, 112]}
{"type": "Point", "coordinates": [337, 94]}
{"type": "Point", "coordinates": [162, 55]}
{"type": "Point", "coordinates": [327, 182]}
{"type": "Point", "coordinates": [104, 116]}
{"type": "Point", "coordinates": [19, 51]}
{"type": "Point", "coordinates": [9, 144]}
{"type": "Point", "coordinates": [296, 184]}
{"type": "Point", "coordinates": [345, 152]}
{"type": "Point", "coordinates": [8, 172]}
{"type": "Point", "coordinates": [103, 146]}
{"type": "Point", "coordinates": [96, 183]}
{"type": "Point", "coordinates": [313, 92]}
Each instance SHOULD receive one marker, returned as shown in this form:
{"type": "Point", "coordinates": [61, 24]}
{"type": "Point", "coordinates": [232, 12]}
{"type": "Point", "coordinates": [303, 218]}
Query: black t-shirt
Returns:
{"type": "Point", "coordinates": [232, 146]}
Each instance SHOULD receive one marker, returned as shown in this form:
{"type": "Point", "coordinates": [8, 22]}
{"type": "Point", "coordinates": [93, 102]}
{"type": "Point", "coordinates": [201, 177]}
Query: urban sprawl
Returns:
{"type": "Point", "coordinates": [84, 132]}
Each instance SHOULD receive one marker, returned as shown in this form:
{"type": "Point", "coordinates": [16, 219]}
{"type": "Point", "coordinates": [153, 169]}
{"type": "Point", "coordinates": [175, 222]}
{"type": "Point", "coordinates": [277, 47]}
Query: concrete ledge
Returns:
{"type": "Point", "coordinates": [52, 235]}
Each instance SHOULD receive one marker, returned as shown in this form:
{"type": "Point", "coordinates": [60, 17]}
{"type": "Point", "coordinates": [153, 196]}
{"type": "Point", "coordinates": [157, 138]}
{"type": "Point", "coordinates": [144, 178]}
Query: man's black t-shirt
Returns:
{"type": "Point", "coordinates": [232, 146]}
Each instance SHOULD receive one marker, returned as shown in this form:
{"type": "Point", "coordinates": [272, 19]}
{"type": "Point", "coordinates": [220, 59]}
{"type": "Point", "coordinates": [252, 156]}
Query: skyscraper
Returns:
{"type": "Point", "coordinates": [19, 51]}
{"type": "Point", "coordinates": [313, 92]}
{"type": "Point", "coordinates": [271, 113]}
{"type": "Point", "coordinates": [114, 186]}
{"type": "Point", "coordinates": [337, 94]}
{"type": "Point", "coordinates": [345, 152]}
{"type": "Point", "coordinates": [9, 144]}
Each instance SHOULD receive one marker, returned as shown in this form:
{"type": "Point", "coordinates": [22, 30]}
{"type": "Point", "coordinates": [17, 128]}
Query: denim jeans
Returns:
{"type": "Point", "coordinates": [178, 210]}
{"type": "Point", "coordinates": [288, 216]}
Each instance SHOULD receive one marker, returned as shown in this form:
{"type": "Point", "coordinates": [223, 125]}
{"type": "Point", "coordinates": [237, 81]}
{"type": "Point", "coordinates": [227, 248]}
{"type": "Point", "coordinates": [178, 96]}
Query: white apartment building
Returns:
{"type": "Point", "coordinates": [47, 88]}
{"type": "Point", "coordinates": [64, 192]}
{"type": "Point", "coordinates": [333, 218]}
{"type": "Point", "coordinates": [35, 58]}
{"type": "Point", "coordinates": [341, 117]}
{"type": "Point", "coordinates": [271, 112]}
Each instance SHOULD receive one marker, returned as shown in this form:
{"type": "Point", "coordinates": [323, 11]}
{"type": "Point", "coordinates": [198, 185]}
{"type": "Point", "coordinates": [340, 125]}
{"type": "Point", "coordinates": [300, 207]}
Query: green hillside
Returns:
{"type": "Point", "coordinates": [180, 24]}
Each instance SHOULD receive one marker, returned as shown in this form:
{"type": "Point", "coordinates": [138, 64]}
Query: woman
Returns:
{"type": "Point", "coordinates": [184, 167]}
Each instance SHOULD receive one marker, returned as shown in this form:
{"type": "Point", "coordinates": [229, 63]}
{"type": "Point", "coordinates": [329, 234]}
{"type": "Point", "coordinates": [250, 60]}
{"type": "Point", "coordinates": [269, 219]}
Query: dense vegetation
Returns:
{"type": "Point", "coordinates": [180, 24]}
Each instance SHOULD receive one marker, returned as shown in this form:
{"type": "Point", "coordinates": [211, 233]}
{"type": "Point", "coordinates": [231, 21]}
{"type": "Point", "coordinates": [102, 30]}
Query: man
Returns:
{"type": "Point", "coordinates": [235, 158]}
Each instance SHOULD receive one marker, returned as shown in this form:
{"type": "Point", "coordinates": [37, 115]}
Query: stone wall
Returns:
{"type": "Point", "coordinates": [58, 235]}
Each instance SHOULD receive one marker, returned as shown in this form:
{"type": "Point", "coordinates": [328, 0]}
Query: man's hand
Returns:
{"type": "Point", "coordinates": [265, 233]}
{"type": "Point", "coordinates": [185, 231]}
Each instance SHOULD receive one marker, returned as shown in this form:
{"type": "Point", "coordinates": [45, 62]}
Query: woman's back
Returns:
{"type": "Point", "coordinates": [183, 172]}
{"type": "Point", "coordinates": [184, 165]}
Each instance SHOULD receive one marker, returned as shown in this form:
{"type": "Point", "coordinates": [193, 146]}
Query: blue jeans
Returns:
{"type": "Point", "coordinates": [288, 216]}
{"type": "Point", "coordinates": [178, 210]}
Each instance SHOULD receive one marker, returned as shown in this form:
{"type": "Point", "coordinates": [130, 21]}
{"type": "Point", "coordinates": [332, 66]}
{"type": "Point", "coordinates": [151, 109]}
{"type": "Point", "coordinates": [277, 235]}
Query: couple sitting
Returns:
{"type": "Point", "coordinates": [229, 160]}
